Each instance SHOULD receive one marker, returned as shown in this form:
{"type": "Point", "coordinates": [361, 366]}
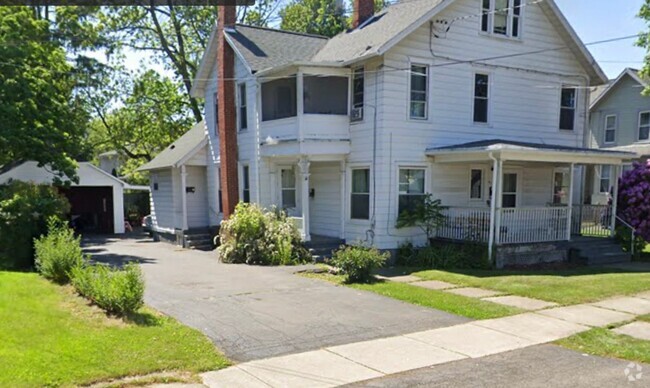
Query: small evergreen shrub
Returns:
{"type": "Point", "coordinates": [58, 252]}
{"type": "Point", "coordinates": [357, 263]}
{"type": "Point", "coordinates": [451, 256]}
{"type": "Point", "coordinates": [24, 211]}
{"type": "Point", "coordinates": [406, 254]}
{"type": "Point", "coordinates": [118, 291]}
{"type": "Point", "coordinates": [253, 235]}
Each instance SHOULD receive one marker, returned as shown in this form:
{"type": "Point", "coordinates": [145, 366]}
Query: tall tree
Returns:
{"type": "Point", "coordinates": [320, 17]}
{"type": "Point", "coordinates": [40, 118]}
{"type": "Point", "coordinates": [644, 40]}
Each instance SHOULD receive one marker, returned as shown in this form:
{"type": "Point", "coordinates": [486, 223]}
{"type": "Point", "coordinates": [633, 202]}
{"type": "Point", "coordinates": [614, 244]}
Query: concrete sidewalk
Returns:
{"type": "Point", "coordinates": [346, 364]}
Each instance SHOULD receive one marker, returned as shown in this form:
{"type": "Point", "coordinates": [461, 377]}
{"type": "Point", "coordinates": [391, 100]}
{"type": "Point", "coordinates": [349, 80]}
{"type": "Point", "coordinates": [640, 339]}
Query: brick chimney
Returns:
{"type": "Point", "coordinates": [363, 10]}
{"type": "Point", "coordinates": [227, 113]}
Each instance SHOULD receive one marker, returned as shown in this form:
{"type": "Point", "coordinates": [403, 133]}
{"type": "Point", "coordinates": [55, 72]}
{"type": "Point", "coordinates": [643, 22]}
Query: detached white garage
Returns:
{"type": "Point", "coordinates": [97, 200]}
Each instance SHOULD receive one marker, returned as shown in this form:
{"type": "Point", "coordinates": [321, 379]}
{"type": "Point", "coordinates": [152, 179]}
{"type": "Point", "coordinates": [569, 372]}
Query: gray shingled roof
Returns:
{"type": "Point", "coordinates": [265, 48]}
{"type": "Point", "coordinates": [179, 149]}
{"type": "Point", "coordinates": [378, 31]}
{"type": "Point", "coordinates": [499, 144]}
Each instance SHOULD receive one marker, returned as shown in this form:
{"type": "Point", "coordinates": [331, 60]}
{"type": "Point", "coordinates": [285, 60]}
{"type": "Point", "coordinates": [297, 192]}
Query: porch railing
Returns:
{"type": "Point", "coordinates": [532, 225]}
{"type": "Point", "coordinates": [592, 220]}
{"type": "Point", "coordinates": [467, 224]}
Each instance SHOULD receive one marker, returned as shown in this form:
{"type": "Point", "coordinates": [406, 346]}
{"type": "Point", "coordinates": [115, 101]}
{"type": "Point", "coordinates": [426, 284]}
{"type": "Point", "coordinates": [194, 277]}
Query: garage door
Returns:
{"type": "Point", "coordinates": [91, 208]}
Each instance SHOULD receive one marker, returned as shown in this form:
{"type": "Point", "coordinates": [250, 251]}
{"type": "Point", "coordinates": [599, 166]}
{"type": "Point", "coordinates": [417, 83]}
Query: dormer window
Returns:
{"type": "Point", "coordinates": [501, 17]}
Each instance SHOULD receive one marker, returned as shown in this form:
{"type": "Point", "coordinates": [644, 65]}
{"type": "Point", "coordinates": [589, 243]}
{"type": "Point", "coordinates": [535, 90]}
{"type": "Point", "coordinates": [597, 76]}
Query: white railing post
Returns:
{"type": "Point", "coordinates": [615, 174]}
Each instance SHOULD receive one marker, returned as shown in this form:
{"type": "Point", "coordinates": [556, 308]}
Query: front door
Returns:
{"type": "Point", "coordinates": [510, 195]}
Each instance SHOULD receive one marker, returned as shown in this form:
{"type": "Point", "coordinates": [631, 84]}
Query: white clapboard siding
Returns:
{"type": "Point", "coordinates": [325, 207]}
{"type": "Point", "coordinates": [197, 202]}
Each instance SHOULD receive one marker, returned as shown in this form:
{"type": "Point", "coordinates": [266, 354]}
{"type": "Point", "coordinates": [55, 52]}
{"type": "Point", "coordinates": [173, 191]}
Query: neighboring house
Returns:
{"type": "Point", "coordinates": [619, 120]}
{"type": "Point", "coordinates": [178, 183]}
{"type": "Point", "coordinates": [346, 133]}
{"type": "Point", "coordinates": [97, 201]}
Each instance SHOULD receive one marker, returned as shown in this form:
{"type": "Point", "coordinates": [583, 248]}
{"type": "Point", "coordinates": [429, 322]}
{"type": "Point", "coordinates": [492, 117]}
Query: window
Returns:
{"type": "Point", "coordinates": [568, 109]}
{"type": "Point", "coordinates": [216, 114]}
{"type": "Point", "coordinates": [288, 183]}
{"type": "Point", "coordinates": [476, 184]}
{"type": "Point", "coordinates": [243, 115]}
{"type": "Point", "coordinates": [644, 126]}
{"type": "Point", "coordinates": [279, 99]}
{"type": "Point", "coordinates": [509, 196]}
{"type": "Point", "coordinates": [325, 95]}
{"type": "Point", "coordinates": [220, 192]}
{"type": "Point", "coordinates": [481, 96]}
{"type": "Point", "coordinates": [501, 17]}
{"type": "Point", "coordinates": [246, 190]}
{"type": "Point", "coordinates": [561, 187]}
{"type": "Point", "coordinates": [411, 189]}
{"type": "Point", "coordinates": [610, 129]}
{"type": "Point", "coordinates": [418, 109]}
{"type": "Point", "coordinates": [360, 195]}
{"type": "Point", "coordinates": [357, 92]}
{"type": "Point", "coordinates": [605, 178]}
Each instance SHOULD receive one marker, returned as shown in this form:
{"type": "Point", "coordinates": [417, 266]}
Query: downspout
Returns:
{"type": "Point", "coordinates": [371, 232]}
{"type": "Point", "coordinates": [493, 204]}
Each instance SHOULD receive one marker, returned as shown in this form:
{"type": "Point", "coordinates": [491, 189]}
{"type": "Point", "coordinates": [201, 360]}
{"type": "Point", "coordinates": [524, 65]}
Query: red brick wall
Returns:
{"type": "Point", "coordinates": [227, 113]}
{"type": "Point", "coordinates": [363, 10]}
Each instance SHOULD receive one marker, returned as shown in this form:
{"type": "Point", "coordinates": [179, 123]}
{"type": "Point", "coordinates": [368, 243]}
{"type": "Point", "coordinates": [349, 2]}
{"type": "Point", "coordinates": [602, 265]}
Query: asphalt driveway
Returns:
{"type": "Point", "coordinates": [257, 312]}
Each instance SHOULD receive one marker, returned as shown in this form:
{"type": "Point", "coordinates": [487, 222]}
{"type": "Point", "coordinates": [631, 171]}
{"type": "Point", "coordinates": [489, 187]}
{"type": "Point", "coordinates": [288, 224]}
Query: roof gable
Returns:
{"type": "Point", "coordinates": [179, 151]}
{"type": "Point", "coordinates": [601, 95]}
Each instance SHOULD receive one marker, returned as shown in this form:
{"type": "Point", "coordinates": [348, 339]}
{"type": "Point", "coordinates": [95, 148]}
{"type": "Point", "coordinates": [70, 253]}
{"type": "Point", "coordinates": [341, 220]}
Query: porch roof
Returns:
{"type": "Point", "coordinates": [522, 151]}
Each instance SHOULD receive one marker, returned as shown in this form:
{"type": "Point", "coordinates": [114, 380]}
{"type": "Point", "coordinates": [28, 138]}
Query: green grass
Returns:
{"type": "Point", "coordinates": [605, 343]}
{"type": "Point", "coordinates": [565, 287]}
{"type": "Point", "coordinates": [50, 336]}
{"type": "Point", "coordinates": [455, 304]}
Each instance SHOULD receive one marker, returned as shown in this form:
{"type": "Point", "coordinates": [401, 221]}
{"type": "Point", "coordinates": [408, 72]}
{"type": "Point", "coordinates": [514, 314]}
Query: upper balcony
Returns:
{"type": "Point", "coordinates": [316, 123]}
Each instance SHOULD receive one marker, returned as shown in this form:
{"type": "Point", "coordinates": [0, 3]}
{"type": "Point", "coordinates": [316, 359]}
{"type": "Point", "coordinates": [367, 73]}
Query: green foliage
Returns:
{"type": "Point", "coordinates": [623, 235]}
{"type": "Point", "coordinates": [319, 17]}
{"type": "Point", "coordinates": [357, 263]}
{"type": "Point", "coordinates": [255, 236]}
{"type": "Point", "coordinates": [58, 252]}
{"type": "Point", "coordinates": [644, 41]}
{"type": "Point", "coordinates": [24, 211]}
{"type": "Point", "coordinates": [40, 117]}
{"type": "Point", "coordinates": [428, 216]}
{"type": "Point", "coordinates": [445, 256]}
{"type": "Point", "coordinates": [118, 291]}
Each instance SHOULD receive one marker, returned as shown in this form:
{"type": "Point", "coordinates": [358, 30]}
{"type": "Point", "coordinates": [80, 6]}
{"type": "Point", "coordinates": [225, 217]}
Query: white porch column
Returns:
{"type": "Point", "coordinates": [344, 202]}
{"type": "Point", "coordinates": [303, 164]}
{"type": "Point", "coordinates": [616, 172]}
{"type": "Point", "coordinates": [493, 206]}
{"type": "Point", "coordinates": [184, 196]}
{"type": "Point", "coordinates": [570, 203]}
{"type": "Point", "coordinates": [499, 203]}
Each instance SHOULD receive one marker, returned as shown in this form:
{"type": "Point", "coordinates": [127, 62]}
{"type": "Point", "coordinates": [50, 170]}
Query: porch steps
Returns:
{"type": "Point", "coordinates": [321, 247]}
{"type": "Point", "coordinates": [599, 251]}
{"type": "Point", "coordinates": [199, 239]}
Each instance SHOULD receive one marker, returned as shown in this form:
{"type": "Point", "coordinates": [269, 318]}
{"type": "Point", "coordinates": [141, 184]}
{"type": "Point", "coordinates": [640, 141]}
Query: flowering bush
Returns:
{"type": "Point", "coordinates": [634, 199]}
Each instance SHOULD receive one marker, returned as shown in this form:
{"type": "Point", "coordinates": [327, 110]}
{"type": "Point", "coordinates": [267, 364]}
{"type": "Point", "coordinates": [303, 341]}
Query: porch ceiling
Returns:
{"type": "Point", "coordinates": [520, 151]}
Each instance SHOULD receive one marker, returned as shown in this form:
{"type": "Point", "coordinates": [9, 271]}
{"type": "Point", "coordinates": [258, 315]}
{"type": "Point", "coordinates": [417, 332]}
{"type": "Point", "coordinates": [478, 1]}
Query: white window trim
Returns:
{"type": "Point", "coordinates": [427, 189]}
{"type": "Point", "coordinates": [564, 170]}
{"type": "Point", "coordinates": [575, 109]}
{"type": "Point", "coordinates": [489, 98]}
{"type": "Point", "coordinates": [600, 178]}
{"type": "Point", "coordinates": [427, 91]}
{"type": "Point", "coordinates": [295, 185]}
{"type": "Point", "coordinates": [469, 180]}
{"type": "Point", "coordinates": [492, 11]}
{"type": "Point", "coordinates": [240, 174]}
{"type": "Point", "coordinates": [638, 130]}
{"type": "Point", "coordinates": [519, 193]}
{"type": "Point", "coordinates": [242, 99]}
{"type": "Point", "coordinates": [605, 128]}
{"type": "Point", "coordinates": [365, 89]}
{"type": "Point", "coordinates": [348, 200]}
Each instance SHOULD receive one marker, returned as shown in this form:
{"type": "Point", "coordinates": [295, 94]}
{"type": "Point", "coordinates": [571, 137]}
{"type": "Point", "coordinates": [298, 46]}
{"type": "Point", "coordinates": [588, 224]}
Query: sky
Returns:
{"type": "Point", "coordinates": [593, 20]}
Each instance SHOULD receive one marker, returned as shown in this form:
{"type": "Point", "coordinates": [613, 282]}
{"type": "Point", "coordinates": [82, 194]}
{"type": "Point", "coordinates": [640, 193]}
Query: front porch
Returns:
{"type": "Point", "coordinates": [520, 193]}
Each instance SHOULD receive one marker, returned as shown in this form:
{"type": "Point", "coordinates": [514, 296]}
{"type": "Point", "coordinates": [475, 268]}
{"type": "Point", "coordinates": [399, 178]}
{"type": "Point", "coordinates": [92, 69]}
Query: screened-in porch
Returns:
{"type": "Point", "coordinates": [500, 193]}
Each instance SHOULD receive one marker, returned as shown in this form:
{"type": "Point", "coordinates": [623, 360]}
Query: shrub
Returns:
{"type": "Point", "coordinates": [623, 235]}
{"type": "Point", "coordinates": [449, 256]}
{"type": "Point", "coordinates": [406, 254]}
{"type": "Point", "coordinates": [24, 211]}
{"type": "Point", "coordinates": [427, 215]}
{"type": "Point", "coordinates": [255, 236]}
{"type": "Point", "coordinates": [58, 252]}
{"type": "Point", "coordinates": [357, 263]}
{"type": "Point", "coordinates": [118, 291]}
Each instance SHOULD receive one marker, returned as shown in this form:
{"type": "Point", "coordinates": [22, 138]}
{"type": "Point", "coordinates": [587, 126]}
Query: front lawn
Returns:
{"type": "Point", "coordinates": [50, 336]}
{"type": "Point", "coordinates": [605, 343]}
{"type": "Point", "coordinates": [451, 303]}
{"type": "Point", "coordinates": [571, 286]}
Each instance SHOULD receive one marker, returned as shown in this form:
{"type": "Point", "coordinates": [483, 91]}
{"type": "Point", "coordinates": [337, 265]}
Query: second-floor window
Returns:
{"type": "Point", "coordinates": [279, 99]}
{"type": "Point", "coordinates": [243, 115]}
{"type": "Point", "coordinates": [568, 109]}
{"type": "Point", "coordinates": [357, 93]}
{"type": "Point", "coordinates": [481, 98]}
{"type": "Point", "coordinates": [418, 98]}
{"type": "Point", "coordinates": [610, 129]}
{"type": "Point", "coordinates": [644, 126]}
{"type": "Point", "coordinates": [501, 17]}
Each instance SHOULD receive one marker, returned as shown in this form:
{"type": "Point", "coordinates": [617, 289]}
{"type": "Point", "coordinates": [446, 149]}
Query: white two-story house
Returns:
{"type": "Point", "coordinates": [482, 103]}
